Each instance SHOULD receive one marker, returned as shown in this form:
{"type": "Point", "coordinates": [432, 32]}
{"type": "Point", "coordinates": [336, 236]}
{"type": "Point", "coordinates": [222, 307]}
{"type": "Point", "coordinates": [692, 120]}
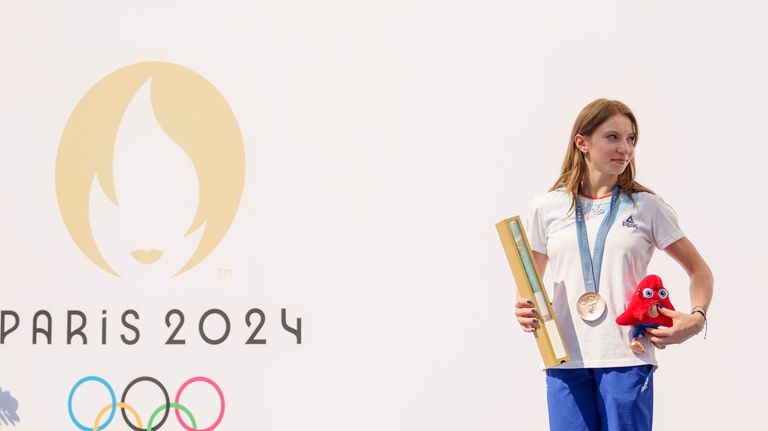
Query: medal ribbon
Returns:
{"type": "Point", "coordinates": [589, 268]}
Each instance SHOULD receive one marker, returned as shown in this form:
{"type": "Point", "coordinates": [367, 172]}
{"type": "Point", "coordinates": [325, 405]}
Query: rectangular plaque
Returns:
{"type": "Point", "coordinates": [529, 285]}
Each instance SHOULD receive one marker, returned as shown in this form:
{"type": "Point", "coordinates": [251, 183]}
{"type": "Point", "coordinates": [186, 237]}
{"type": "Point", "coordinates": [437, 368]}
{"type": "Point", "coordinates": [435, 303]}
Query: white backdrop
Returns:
{"type": "Point", "coordinates": [383, 140]}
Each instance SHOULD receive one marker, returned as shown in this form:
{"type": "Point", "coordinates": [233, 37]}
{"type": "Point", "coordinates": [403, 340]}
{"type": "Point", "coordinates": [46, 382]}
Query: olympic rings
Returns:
{"type": "Point", "coordinates": [151, 426]}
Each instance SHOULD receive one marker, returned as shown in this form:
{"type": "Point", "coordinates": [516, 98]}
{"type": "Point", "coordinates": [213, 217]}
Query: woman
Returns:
{"type": "Point", "coordinates": [597, 229]}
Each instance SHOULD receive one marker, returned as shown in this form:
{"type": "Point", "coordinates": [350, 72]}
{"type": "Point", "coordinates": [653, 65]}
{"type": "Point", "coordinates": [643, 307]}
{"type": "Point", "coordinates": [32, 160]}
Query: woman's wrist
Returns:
{"type": "Point", "coordinates": [700, 313]}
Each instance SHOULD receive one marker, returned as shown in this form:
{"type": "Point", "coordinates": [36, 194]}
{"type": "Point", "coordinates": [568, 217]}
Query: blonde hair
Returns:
{"type": "Point", "coordinates": [575, 167]}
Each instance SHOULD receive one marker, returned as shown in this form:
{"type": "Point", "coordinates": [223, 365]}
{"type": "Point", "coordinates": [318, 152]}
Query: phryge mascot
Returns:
{"type": "Point", "coordinates": [643, 309]}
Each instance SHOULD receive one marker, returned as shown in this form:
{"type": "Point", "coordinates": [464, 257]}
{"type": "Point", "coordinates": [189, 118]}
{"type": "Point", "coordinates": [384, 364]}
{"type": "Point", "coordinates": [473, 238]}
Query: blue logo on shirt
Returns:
{"type": "Point", "coordinates": [629, 223]}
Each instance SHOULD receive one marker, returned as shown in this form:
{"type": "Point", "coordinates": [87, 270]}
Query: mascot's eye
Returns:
{"type": "Point", "coordinates": [663, 293]}
{"type": "Point", "coordinates": [648, 292]}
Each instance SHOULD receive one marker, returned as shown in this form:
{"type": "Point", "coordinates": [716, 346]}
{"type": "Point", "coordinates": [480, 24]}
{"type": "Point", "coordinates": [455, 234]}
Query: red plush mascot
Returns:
{"type": "Point", "coordinates": [643, 309]}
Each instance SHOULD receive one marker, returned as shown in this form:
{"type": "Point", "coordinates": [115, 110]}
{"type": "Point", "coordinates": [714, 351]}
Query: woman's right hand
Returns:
{"type": "Point", "coordinates": [526, 315]}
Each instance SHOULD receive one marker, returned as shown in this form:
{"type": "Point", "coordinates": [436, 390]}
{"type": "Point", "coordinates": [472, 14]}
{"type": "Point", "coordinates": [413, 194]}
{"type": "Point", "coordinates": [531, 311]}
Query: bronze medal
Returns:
{"type": "Point", "coordinates": [590, 306]}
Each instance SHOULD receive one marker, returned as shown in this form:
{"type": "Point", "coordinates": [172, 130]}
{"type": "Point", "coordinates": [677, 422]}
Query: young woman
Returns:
{"type": "Point", "coordinates": [597, 229]}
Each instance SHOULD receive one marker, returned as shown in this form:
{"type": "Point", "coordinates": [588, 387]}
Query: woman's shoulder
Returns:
{"type": "Point", "coordinates": [647, 199]}
{"type": "Point", "coordinates": [552, 199]}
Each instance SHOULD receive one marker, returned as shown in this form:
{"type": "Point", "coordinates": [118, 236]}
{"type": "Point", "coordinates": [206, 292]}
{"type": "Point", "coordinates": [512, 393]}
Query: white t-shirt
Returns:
{"type": "Point", "coordinates": [639, 228]}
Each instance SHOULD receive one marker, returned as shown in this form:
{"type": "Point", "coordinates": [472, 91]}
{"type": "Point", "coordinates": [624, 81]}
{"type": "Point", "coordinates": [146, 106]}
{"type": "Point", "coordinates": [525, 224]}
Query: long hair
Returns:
{"type": "Point", "coordinates": [575, 167]}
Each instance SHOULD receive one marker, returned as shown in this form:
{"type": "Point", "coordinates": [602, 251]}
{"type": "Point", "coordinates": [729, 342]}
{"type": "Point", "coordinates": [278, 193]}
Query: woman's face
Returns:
{"type": "Point", "coordinates": [609, 149]}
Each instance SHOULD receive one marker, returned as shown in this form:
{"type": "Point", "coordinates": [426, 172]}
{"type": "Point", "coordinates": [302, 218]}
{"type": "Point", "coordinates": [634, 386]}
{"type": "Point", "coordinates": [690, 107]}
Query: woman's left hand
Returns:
{"type": "Point", "coordinates": [684, 326]}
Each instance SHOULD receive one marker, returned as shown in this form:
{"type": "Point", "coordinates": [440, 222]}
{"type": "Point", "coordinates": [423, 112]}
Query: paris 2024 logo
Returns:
{"type": "Point", "coordinates": [189, 115]}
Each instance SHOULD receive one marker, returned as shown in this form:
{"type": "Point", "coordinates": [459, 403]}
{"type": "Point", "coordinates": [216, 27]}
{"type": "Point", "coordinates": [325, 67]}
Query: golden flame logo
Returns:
{"type": "Point", "coordinates": [192, 113]}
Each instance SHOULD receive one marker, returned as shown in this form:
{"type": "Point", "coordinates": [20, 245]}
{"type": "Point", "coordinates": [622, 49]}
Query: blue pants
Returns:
{"type": "Point", "coordinates": [600, 399]}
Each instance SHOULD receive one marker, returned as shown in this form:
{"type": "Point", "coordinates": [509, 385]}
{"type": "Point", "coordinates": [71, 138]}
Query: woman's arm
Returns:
{"type": "Point", "coordinates": [685, 326]}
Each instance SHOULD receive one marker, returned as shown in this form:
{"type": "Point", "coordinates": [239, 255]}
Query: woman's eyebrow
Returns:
{"type": "Point", "coordinates": [616, 132]}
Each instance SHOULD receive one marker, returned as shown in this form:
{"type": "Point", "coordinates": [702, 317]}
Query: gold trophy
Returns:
{"type": "Point", "coordinates": [529, 285]}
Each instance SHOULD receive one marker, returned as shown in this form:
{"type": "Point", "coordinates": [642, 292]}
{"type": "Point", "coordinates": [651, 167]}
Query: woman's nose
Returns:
{"type": "Point", "coordinates": [625, 146]}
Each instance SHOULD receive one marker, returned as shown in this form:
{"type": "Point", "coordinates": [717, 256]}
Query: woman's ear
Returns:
{"type": "Point", "coordinates": [581, 143]}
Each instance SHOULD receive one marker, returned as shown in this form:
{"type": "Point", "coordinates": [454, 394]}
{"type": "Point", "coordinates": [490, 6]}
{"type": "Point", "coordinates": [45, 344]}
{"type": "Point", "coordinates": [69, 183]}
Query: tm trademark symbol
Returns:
{"type": "Point", "coordinates": [225, 273]}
